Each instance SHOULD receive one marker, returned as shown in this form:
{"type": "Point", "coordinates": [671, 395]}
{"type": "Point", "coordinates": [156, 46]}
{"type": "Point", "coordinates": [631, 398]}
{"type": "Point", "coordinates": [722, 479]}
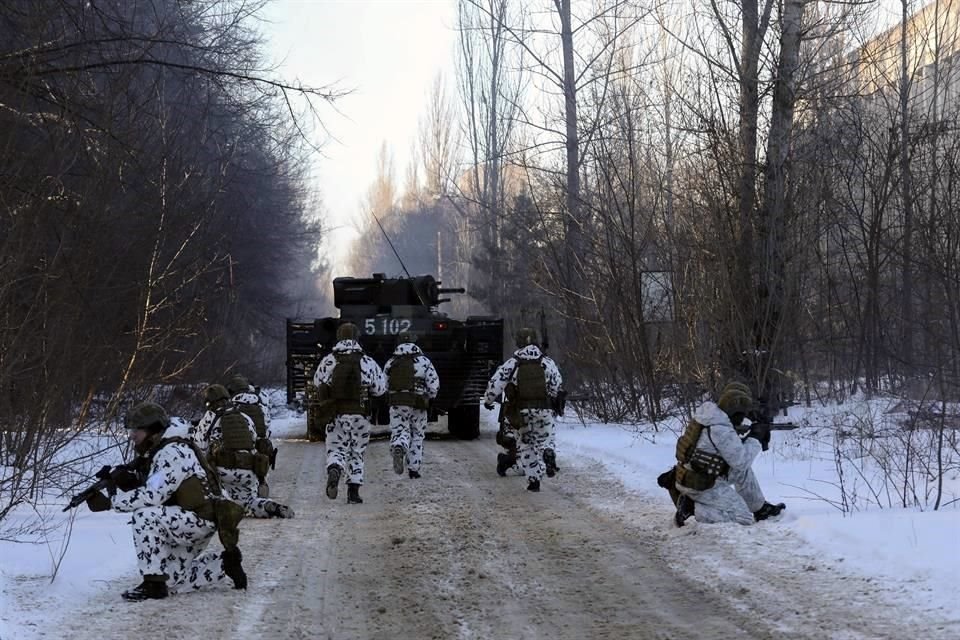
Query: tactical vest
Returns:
{"type": "Point", "coordinates": [255, 411]}
{"type": "Point", "coordinates": [236, 433]}
{"type": "Point", "coordinates": [346, 384]}
{"type": "Point", "coordinates": [404, 385]}
{"type": "Point", "coordinates": [697, 469]}
{"type": "Point", "coordinates": [237, 449]}
{"type": "Point", "coordinates": [531, 390]}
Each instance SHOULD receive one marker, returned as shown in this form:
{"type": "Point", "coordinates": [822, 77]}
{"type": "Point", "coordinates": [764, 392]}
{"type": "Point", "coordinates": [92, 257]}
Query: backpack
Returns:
{"type": "Point", "coordinates": [531, 392]}
{"type": "Point", "coordinates": [346, 384]}
{"type": "Point", "coordinates": [403, 383]}
{"type": "Point", "coordinates": [697, 469]}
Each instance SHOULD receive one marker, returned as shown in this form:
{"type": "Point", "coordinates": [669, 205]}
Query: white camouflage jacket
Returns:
{"type": "Point", "coordinates": [371, 375]}
{"type": "Point", "coordinates": [428, 382]}
{"type": "Point", "coordinates": [507, 373]}
{"type": "Point", "coordinates": [172, 464]}
{"type": "Point", "coordinates": [721, 438]}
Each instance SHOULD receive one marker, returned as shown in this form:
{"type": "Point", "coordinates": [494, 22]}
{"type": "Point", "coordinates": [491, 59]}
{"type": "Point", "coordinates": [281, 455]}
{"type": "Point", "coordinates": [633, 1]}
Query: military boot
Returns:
{"type": "Point", "coordinates": [353, 493]}
{"type": "Point", "coordinates": [413, 474]}
{"type": "Point", "coordinates": [550, 460]}
{"type": "Point", "coordinates": [768, 511]}
{"type": "Point", "coordinates": [504, 462]}
{"type": "Point", "coordinates": [685, 509]}
{"type": "Point", "coordinates": [153, 587]}
{"type": "Point", "coordinates": [333, 481]}
{"type": "Point", "coordinates": [277, 510]}
{"type": "Point", "coordinates": [231, 560]}
{"type": "Point", "coordinates": [399, 456]}
{"type": "Point", "coordinates": [533, 485]}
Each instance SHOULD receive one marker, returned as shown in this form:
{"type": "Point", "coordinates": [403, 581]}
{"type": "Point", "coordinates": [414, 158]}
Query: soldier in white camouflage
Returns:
{"type": "Point", "coordinates": [228, 437]}
{"type": "Point", "coordinates": [346, 379]}
{"type": "Point", "coordinates": [246, 398]}
{"type": "Point", "coordinates": [412, 382]}
{"type": "Point", "coordinates": [171, 498]}
{"type": "Point", "coordinates": [530, 382]}
{"type": "Point", "coordinates": [713, 474]}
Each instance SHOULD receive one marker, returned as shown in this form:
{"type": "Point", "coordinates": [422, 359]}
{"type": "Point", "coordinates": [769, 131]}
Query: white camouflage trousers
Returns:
{"type": "Point", "coordinates": [537, 430]}
{"type": "Point", "coordinates": [407, 429]}
{"type": "Point", "coordinates": [170, 541]}
{"type": "Point", "coordinates": [241, 485]}
{"type": "Point", "coordinates": [733, 499]}
{"type": "Point", "coordinates": [347, 439]}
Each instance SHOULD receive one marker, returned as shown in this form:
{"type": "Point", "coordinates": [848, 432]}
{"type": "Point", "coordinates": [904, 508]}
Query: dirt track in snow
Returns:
{"type": "Point", "coordinates": [462, 553]}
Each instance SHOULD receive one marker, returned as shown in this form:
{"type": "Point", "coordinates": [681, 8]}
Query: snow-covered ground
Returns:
{"type": "Point", "coordinates": [845, 523]}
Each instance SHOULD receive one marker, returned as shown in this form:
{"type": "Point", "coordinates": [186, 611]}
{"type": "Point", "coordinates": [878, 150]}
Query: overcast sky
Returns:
{"type": "Point", "coordinates": [389, 52]}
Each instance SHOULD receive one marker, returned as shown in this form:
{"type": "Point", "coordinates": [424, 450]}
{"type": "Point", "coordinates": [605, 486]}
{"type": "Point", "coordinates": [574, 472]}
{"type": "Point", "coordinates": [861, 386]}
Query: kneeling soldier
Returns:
{"type": "Point", "coordinates": [176, 502]}
{"type": "Point", "coordinates": [245, 397]}
{"type": "Point", "coordinates": [231, 443]}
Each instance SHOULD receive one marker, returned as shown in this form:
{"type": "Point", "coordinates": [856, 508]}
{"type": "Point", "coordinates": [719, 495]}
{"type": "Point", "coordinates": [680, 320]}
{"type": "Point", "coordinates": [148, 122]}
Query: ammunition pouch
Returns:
{"type": "Point", "coordinates": [264, 446]}
{"type": "Point", "coordinates": [233, 459]}
{"type": "Point", "coordinates": [191, 496]}
{"type": "Point", "coordinates": [409, 399]}
{"type": "Point", "coordinates": [227, 515]}
{"type": "Point", "coordinates": [261, 466]}
{"type": "Point", "coordinates": [701, 471]}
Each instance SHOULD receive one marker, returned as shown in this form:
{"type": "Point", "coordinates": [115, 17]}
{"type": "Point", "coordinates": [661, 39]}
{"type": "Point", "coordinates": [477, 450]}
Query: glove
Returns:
{"type": "Point", "coordinates": [106, 476]}
{"type": "Point", "coordinates": [124, 478]}
{"type": "Point", "coordinates": [488, 406]}
{"type": "Point", "coordinates": [98, 502]}
{"type": "Point", "coordinates": [761, 433]}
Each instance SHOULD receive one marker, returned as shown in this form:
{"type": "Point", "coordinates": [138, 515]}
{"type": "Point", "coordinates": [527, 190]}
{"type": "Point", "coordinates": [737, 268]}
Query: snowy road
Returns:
{"type": "Point", "coordinates": [462, 553]}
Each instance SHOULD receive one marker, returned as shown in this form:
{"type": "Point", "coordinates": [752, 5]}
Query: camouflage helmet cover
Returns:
{"type": "Point", "coordinates": [238, 384]}
{"type": "Point", "coordinates": [738, 386]}
{"type": "Point", "coordinates": [215, 393]}
{"type": "Point", "coordinates": [347, 331]}
{"type": "Point", "coordinates": [525, 336]}
{"type": "Point", "coordinates": [147, 415]}
{"type": "Point", "coordinates": [734, 401]}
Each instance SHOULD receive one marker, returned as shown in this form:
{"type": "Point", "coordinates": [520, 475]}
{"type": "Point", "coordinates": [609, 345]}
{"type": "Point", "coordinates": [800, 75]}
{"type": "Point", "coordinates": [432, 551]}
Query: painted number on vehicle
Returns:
{"type": "Point", "coordinates": [386, 326]}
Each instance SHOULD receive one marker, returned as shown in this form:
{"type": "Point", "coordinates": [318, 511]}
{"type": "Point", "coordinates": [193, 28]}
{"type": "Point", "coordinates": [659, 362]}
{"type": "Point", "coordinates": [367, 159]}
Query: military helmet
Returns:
{"type": "Point", "coordinates": [147, 415]}
{"type": "Point", "coordinates": [238, 384]}
{"type": "Point", "coordinates": [347, 331]}
{"type": "Point", "coordinates": [525, 336]}
{"type": "Point", "coordinates": [734, 401]}
{"type": "Point", "coordinates": [215, 393]}
{"type": "Point", "coordinates": [406, 336]}
{"type": "Point", "coordinates": [739, 386]}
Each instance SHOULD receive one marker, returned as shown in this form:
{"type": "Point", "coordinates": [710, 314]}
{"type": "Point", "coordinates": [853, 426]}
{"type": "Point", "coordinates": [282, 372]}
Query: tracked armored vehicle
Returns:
{"type": "Point", "coordinates": [464, 352]}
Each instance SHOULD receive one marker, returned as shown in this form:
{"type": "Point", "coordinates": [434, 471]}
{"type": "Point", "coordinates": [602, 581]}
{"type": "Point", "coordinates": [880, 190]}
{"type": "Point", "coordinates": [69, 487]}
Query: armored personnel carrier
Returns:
{"type": "Point", "coordinates": [464, 352]}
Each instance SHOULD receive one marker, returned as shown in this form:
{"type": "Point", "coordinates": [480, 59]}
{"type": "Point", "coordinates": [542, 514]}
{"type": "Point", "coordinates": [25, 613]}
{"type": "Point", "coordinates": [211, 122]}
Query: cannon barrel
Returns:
{"type": "Point", "coordinates": [451, 290]}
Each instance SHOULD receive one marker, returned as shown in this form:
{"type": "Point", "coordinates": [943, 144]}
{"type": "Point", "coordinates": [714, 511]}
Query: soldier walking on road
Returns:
{"type": "Point", "coordinates": [413, 382]}
{"type": "Point", "coordinates": [345, 381]}
{"type": "Point", "coordinates": [228, 436]}
{"type": "Point", "coordinates": [531, 382]}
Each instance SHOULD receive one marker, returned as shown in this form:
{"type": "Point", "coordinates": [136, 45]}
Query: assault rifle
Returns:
{"type": "Point", "coordinates": [122, 476]}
